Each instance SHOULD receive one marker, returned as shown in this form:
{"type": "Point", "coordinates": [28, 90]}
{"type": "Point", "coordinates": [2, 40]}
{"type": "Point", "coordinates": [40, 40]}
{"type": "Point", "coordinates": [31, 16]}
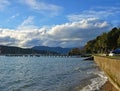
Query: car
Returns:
{"type": "Point", "coordinates": [115, 52]}
{"type": "Point", "coordinates": [111, 54]}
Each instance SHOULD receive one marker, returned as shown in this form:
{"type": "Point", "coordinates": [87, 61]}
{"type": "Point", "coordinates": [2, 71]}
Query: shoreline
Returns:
{"type": "Point", "coordinates": [108, 87]}
{"type": "Point", "coordinates": [110, 66]}
{"type": "Point", "coordinates": [97, 82]}
{"type": "Point", "coordinates": [103, 84]}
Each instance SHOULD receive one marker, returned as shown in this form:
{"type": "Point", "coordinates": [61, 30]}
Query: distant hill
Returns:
{"type": "Point", "coordinates": [53, 49]}
{"type": "Point", "coordinates": [18, 50]}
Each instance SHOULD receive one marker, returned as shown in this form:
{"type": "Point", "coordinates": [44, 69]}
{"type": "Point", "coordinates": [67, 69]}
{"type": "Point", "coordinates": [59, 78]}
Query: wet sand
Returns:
{"type": "Point", "coordinates": [108, 87]}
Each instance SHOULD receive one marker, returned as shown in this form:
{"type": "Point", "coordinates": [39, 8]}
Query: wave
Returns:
{"type": "Point", "coordinates": [97, 82]}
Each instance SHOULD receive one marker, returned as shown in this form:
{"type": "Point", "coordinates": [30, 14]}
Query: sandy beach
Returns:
{"type": "Point", "coordinates": [108, 87]}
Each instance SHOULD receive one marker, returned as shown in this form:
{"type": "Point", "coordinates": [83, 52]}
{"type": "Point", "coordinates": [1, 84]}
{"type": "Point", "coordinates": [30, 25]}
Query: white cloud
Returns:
{"type": "Point", "coordinates": [78, 32]}
{"type": "Point", "coordinates": [27, 24]}
{"type": "Point", "coordinates": [43, 7]}
{"type": "Point", "coordinates": [99, 12]}
{"type": "Point", "coordinates": [3, 4]}
{"type": "Point", "coordinates": [12, 17]}
{"type": "Point", "coordinates": [21, 38]}
{"type": "Point", "coordinates": [15, 15]}
{"type": "Point", "coordinates": [65, 35]}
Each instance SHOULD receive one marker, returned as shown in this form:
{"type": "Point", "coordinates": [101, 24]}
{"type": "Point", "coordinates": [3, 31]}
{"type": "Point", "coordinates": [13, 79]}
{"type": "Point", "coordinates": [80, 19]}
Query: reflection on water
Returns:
{"type": "Point", "coordinates": [43, 73]}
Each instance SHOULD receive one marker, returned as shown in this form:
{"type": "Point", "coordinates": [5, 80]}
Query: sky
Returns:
{"type": "Point", "coordinates": [63, 23]}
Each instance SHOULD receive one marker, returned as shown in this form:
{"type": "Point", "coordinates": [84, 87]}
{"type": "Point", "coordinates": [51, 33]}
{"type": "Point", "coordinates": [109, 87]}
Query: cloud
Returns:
{"type": "Point", "coordinates": [64, 35]}
{"type": "Point", "coordinates": [99, 12]}
{"type": "Point", "coordinates": [21, 38]}
{"type": "Point", "coordinates": [15, 15]}
{"type": "Point", "coordinates": [7, 40]}
{"type": "Point", "coordinates": [78, 32]}
{"type": "Point", "coordinates": [3, 4]}
{"type": "Point", "coordinates": [27, 24]}
{"type": "Point", "coordinates": [43, 7]}
{"type": "Point", "coordinates": [12, 17]}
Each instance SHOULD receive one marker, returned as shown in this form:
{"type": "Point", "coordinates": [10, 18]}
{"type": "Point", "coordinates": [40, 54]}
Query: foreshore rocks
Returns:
{"type": "Point", "coordinates": [89, 58]}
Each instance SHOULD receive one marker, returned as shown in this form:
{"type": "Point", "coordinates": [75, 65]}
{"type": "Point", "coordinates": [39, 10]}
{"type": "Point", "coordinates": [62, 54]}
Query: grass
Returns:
{"type": "Point", "coordinates": [112, 57]}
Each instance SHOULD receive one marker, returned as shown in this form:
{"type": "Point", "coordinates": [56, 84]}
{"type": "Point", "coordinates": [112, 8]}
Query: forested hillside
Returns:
{"type": "Point", "coordinates": [104, 43]}
{"type": "Point", "coordinates": [18, 50]}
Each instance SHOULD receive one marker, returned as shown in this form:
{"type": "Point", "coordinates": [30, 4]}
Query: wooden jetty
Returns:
{"type": "Point", "coordinates": [37, 55]}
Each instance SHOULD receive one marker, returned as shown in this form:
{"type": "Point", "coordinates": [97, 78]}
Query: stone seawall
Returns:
{"type": "Point", "coordinates": [111, 67]}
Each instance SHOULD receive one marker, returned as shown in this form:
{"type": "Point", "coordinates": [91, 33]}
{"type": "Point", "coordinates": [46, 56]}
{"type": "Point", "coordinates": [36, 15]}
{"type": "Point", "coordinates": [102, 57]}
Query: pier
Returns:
{"type": "Point", "coordinates": [37, 55]}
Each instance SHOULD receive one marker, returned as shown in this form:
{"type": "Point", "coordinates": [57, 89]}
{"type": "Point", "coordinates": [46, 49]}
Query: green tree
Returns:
{"type": "Point", "coordinates": [101, 43]}
{"type": "Point", "coordinates": [113, 36]}
{"type": "Point", "coordinates": [104, 43]}
{"type": "Point", "coordinates": [89, 47]}
{"type": "Point", "coordinates": [75, 51]}
{"type": "Point", "coordinates": [118, 42]}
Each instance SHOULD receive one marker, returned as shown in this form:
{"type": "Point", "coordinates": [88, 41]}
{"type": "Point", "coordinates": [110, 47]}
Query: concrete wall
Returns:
{"type": "Point", "coordinates": [111, 67]}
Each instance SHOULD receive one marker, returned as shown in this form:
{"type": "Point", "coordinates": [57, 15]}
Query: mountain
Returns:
{"type": "Point", "coordinates": [53, 49]}
{"type": "Point", "coordinates": [18, 50]}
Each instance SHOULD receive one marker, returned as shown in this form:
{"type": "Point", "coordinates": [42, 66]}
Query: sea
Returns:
{"type": "Point", "coordinates": [49, 74]}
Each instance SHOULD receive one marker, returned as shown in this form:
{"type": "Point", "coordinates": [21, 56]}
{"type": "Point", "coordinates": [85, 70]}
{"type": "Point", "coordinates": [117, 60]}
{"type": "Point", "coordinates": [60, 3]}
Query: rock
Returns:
{"type": "Point", "coordinates": [89, 58]}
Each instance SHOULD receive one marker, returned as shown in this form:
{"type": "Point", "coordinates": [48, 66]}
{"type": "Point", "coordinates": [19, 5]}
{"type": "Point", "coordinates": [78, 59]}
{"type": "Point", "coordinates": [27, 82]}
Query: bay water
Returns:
{"type": "Point", "coordinates": [47, 74]}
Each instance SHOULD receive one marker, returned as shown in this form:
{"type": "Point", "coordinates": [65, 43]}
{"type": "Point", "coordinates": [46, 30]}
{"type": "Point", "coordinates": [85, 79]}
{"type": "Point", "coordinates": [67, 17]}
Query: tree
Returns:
{"type": "Point", "coordinates": [104, 43]}
{"type": "Point", "coordinates": [118, 42]}
{"type": "Point", "coordinates": [89, 47]}
{"type": "Point", "coordinates": [75, 51]}
{"type": "Point", "coordinates": [113, 36]}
